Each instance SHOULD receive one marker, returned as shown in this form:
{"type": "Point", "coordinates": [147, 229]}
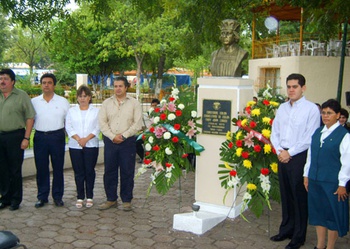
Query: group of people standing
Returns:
{"type": "Point", "coordinates": [119, 119]}
{"type": "Point", "coordinates": [313, 168]}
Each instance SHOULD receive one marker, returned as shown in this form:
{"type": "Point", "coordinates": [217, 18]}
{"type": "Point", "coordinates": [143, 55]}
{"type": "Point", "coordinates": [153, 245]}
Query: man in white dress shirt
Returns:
{"type": "Point", "coordinates": [49, 141]}
{"type": "Point", "coordinates": [292, 128]}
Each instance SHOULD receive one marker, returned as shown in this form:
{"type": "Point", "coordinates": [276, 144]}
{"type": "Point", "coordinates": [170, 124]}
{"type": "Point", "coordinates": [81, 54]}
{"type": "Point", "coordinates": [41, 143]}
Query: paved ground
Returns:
{"type": "Point", "coordinates": [148, 225]}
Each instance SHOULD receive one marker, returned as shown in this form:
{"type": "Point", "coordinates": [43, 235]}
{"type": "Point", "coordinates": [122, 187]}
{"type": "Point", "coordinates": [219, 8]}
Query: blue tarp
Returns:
{"type": "Point", "coordinates": [169, 79]}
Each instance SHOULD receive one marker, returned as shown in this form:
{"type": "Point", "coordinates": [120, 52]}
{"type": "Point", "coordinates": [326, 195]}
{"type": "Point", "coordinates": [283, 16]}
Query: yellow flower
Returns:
{"type": "Point", "coordinates": [238, 135]}
{"type": "Point", "coordinates": [274, 167]}
{"type": "Point", "coordinates": [251, 103]}
{"type": "Point", "coordinates": [255, 112]}
{"type": "Point", "coordinates": [227, 166]}
{"type": "Point", "coordinates": [266, 120]}
{"type": "Point", "coordinates": [251, 186]}
{"type": "Point", "coordinates": [266, 133]}
{"type": "Point", "coordinates": [247, 164]}
{"type": "Point", "coordinates": [228, 135]}
{"type": "Point", "coordinates": [244, 122]}
{"type": "Point", "coordinates": [273, 103]}
{"type": "Point", "coordinates": [267, 149]}
{"type": "Point", "coordinates": [239, 151]}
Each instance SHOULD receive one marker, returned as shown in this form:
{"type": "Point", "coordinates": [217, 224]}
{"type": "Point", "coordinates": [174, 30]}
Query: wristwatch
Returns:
{"type": "Point", "coordinates": [26, 138]}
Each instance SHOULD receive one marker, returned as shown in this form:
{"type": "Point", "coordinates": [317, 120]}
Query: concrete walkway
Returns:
{"type": "Point", "coordinates": [148, 225]}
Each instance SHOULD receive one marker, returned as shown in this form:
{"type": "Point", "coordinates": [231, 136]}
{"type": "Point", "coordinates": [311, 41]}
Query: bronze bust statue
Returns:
{"type": "Point", "coordinates": [227, 60]}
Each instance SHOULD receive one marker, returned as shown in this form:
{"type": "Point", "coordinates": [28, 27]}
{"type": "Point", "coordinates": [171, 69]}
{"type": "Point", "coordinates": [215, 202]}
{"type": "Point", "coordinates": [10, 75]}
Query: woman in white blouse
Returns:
{"type": "Point", "coordinates": [83, 131]}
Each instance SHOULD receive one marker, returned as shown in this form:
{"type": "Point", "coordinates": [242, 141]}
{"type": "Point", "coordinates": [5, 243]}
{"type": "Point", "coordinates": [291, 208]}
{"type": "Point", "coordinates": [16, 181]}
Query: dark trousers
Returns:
{"type": "Point", "coordinates": [11, 159]}
{"type": "Point", "coordinates": [139, 148]}
{"type": "Point", "coordinates": [84, 162]}
{"type": "Point", "coordinates": [119, 157]}
{"type": "Point", "coordinates": [49, 145]}
{"type": "Point", "coordinates": [293, 197]}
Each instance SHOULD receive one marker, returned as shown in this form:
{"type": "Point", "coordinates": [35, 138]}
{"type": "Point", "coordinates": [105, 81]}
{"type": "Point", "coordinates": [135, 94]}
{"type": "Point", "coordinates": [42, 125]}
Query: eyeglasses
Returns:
{"type": "Point", "coordinates": [327, 113]}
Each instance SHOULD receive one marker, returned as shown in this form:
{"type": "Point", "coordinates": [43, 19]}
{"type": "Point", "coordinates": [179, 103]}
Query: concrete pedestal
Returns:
{"type": "Point", "coordinates": [208, 191]}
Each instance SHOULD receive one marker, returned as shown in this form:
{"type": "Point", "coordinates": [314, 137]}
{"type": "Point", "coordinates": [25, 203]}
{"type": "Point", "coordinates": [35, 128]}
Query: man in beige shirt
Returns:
{"type": "Point", "coordinates": [120, 119]}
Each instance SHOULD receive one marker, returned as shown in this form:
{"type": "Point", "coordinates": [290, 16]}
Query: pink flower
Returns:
{"type": "Point", "coordinates": [191, 123]}
{"type": "Point", "coordinates": [191, 133]}
{"type": "Point", "coordinates": [248, 140]}
{"type": "Point", "coordinates": [171, 107]}
{"type": "Point", "coordinates": [158, 131]}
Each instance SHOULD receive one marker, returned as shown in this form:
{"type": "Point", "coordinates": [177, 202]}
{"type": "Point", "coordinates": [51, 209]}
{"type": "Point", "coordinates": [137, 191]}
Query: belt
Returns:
{"type": "Point", "coordinates": [50, 132]}
{"type": "Point", "coordinates": [11, 132]}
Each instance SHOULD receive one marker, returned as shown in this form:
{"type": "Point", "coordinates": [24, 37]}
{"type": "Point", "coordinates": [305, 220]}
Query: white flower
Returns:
{"type": "Point", "coordinates": [265, 183]}
{"type": "Point", "coordinates": [171, 116]}
{"type": "Point", "coordinates": [151, 140]}
{"type": "Point", "coordinates": [162, 102]}
{"type": "Point", "coordinates": [175, 92]}
{"type": "Point", "coordinates": [234, 181]}
{"type": "Point", "coordinates": [247, 196]}
{"type": "Point", "coordinates": [193, 114]}
{"type": "Point", "coordinates": [181, 106]}
{"type": "Point", "coordinates": [168, 175]}
{"type": "Point", "coordinates": [167, 135]}
{"type": "Point", "coordinates": [141, 170]}
{"type": "Point", "coordinates": [148, 147]}
{"type": "Point", "coordinates": [150, 110]}
{"type": "Point", "coordinates": [168, 151]}
{"type": "Point", "coordinates": [156, 120]}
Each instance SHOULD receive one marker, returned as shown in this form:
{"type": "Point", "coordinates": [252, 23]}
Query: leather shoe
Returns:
{"type": "Point", "coordinates": [294, 245]}
{"type": "Point", "coordinates": [40, 203]}
{"type": "Point", "coordinates": [13, 207]}
{"type": "Point", "coordinates": [3, 205]}
{"type": "Point", "coordinates": [58, 203]}
{"type": "Point", "coordinates": [279, 237]}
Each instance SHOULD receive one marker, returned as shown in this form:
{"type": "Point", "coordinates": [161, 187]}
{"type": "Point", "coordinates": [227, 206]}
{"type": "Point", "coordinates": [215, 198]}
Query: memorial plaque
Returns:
{"type": "Point", "coordinates": [216, 117]}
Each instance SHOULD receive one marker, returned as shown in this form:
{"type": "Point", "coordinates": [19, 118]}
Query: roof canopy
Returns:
{"type": "Point", "coordinates": [285, 13]}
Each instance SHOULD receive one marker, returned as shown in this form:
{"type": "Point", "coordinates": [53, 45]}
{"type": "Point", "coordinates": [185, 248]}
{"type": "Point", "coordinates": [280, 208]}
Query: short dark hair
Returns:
{"type": "Point", "coordinates": [344, 112]}
{"type": "Point", "coordinates": [124, 79]}
{"type": "Point", "coordinates": [332, 104]}
{"type": "Point", "coordinates": [9, 72]}
{"type": "Point", "coordinates": [297, 76]}
{"type": "Point", "coordinates": [84, 89]}
{"type": "Point", "coordinates": [155, 101]}
{"type": "Point", "coordinates": [49, 75]}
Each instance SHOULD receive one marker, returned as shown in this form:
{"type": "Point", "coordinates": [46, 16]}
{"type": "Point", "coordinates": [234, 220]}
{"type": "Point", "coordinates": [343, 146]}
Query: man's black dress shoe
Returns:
{"type": "Point", "coordinates": [294, 245]}
{"type": "Point", "coordinates": [13, 207]}
{"type": "Point", "coordinates": [40, 203]}
{"type": "Point", "coordinates": [279, 237]}
{"type": "Point", "coordinates": [58, 203]}
{"type": "Point", "coordinates": [3, 205]}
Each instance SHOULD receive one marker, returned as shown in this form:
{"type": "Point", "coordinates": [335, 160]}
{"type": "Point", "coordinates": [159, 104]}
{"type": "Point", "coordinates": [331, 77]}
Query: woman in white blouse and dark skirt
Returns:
{"type": "Point", "coordinates": [326, 172]}
{"type": "Point", "coordinates": [83, 130]}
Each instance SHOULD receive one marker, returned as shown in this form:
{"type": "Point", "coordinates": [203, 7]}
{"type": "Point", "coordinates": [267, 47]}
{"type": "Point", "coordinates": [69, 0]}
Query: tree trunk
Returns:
{"type": "Point", "coordinates": [161, 65]}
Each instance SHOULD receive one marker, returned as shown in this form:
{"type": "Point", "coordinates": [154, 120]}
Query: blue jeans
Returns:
{"type": "Point", "coordinates": [49, 145]}
{"type": "Point", "coordinates": [119, 157]}
{"type": "Point", "coordinates": [84, 162]}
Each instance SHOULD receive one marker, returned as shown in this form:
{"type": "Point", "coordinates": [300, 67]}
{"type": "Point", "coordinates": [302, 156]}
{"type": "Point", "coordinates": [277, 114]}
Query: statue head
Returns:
{"type": "Point", "coordinates": [230, 30]}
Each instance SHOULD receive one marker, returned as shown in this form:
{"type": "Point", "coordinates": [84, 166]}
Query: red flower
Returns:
{"type": "Point", "coordinates": [147, 153]}
{"type": "Point", "coordinates": [175, 139]}
{"type": "Point", "coordinates": [168, 165]}
{"type": "Point", "coordinates": [233, 173]}
{"type": "Point", "coordinates": [171, 99]}
{"type": "Point", "coordinates": [157, 109]}
{"type": "Point", "coordinates": [257, 148]}
{"type": "Point", "coordinates": [162, 116]}
{"type": "Point", "coordinates": [266, 102]}
{"type": "Point", "coordinates": [147, 161]}
{"type": "Point", "coordinates": [239, 143]}
{"type": "Point", "coordinates": [273, 150]}
{"type": "Point", "coordinates": [178, 113]}
{"type": "Point", "coordinates": [264, 171]}
{"type": "Point", "coordinates": [271, 121]}
{"type": "Point", "coordinates": [151, 129]}
{"type": "Point", "coordinates": [245, 154]}
{"type": "Point", "coordinates": [143, 137]}
{"type": "Point", "coordinates": [248, 109]}
{"type": "Point", "coordinates": [252, 124]}
{"type": "Point", "coordinates": [156, 148]}
{"type": "Point", "coordinates": [177, 126]}
{"type": "Point", "coordinates": [239, 123]}
{"type": "Point", "coordinates": [184, 155]}
{"type": "Point", "coordinates": [230, 145]}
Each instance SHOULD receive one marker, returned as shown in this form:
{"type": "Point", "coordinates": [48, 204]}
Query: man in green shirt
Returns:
{"type": "Point", "coordinates": [16, 122]}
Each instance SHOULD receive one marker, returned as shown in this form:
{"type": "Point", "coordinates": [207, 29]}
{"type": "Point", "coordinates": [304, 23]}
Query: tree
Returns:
{"type": "Point", "coordinates": [27, 46]}
{"type": "Point", "coordinates": [4, 36]}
